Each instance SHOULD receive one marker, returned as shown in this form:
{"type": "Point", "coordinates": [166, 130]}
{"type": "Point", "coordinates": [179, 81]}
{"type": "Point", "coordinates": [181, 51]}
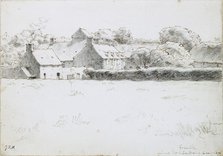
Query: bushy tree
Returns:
{"type": "Point", "coordinates": [140, 58]}
{"type": "Point", "coordinates": [123, 36]}
{"type": "Point", "coordinates": [13, 47]}
{"type": "Point", "coordinates": [166, 55]}
{"type": "Point", "coordinates": [170, 54]}
{"type": "Point", "coordinates": [185, 37]}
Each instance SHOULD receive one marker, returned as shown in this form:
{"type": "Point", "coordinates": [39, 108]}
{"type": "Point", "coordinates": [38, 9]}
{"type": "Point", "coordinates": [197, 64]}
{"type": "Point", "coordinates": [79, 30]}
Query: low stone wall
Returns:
{"type": "Point", "coordinates": [193, 74]}
{"type": "Point", "coordinates": [159, 74]}
{"type": "Point", "coordinates": [207, 64]}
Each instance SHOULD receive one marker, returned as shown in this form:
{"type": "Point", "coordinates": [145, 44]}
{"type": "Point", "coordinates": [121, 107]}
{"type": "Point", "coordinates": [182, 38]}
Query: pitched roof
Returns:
{"type": "Point", "coordinates": [67, 50]}
{"type": "Point", "coordinates": [87, 33]}
{"type": "Point", "coordinates": [82, 31]}
{"type": "Point", "coordinates": [104, 34]}
{"type": "Point", "coordinates": [46, 57]}
{"type": "Point", "coordinates": [107, 51]}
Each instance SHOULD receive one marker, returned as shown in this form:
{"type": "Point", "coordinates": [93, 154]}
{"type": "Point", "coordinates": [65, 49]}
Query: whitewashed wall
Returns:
{"type": "Point", "coordinates": [51, 72]}
{"type": "Point", "coordinates": [72, 73]}
{"type": "Point", "coordinates": [67, 64]}
{"type": "Point", "coordinates": [113, 64]}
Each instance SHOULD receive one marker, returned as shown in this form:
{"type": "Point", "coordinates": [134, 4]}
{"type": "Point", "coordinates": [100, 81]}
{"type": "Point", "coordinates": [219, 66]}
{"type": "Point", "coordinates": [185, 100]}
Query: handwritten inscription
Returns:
{"type": "Point", "coordinates": [9, 147]}
{"type": "Point", "coordinates": [192, 153]}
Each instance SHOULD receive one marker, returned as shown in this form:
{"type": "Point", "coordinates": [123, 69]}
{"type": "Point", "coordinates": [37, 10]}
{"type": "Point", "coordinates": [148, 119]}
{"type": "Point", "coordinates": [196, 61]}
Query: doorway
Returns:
{"type": "Point", "coordinates": [58, 75]}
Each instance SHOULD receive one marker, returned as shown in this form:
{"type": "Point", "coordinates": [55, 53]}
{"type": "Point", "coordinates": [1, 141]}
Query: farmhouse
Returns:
{"type": "Point", "coordinates": [50, 65]}
{"type": "Point", "coordinates": [67, 60]}
{"type": "Point", "coordinates": [41, 63]}
{"type": "Point", "coordinates": [112, 58]}
{"type": "Point", "coordinates": [67, 51]}
{"type": "Point", "coordinates": [99, 56]}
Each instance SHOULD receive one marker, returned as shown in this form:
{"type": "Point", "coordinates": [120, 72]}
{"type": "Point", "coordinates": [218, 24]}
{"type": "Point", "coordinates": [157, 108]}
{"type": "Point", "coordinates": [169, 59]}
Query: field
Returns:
{"type": "Point", "coordinates": [124, 118]}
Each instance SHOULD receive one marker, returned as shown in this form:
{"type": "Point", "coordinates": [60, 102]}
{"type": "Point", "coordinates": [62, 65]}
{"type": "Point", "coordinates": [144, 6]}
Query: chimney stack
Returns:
{"type": "Point", "coordinates": [89, 40]}
{"type": "Point", "coordinates": [29, 47]}
{"type": "Point", "coordinates": [52, 40]}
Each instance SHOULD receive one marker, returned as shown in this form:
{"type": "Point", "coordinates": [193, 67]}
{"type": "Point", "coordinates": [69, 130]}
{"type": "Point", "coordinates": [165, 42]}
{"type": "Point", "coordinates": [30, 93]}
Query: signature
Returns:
{"type": "Point", "coordinates": [9, 147]}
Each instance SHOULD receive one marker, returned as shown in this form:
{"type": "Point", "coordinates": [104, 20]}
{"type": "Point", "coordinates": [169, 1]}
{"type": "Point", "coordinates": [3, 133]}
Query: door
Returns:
{"type": "Point", "coordinates": [58, 75]}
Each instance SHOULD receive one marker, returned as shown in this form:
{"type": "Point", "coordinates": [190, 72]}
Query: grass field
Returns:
{"type": "Point", "coordinates": [125, 118]}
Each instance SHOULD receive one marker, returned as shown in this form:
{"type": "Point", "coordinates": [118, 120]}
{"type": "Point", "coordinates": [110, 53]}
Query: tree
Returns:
{"type": "Point", "coordinates": [185, 37]}
{"type": "Point", "coordinates": [141, 58]}
{"type": "Point", "coordinates": [34, 34]}
{"type": "Point", "coordinates": [170, 54]}
{"type": "Point", "coordinates": [123, 36]}
{"type": "Point", "coordinates": [166, 55]}
{"type": "Point", "coordinates": [14, 47]}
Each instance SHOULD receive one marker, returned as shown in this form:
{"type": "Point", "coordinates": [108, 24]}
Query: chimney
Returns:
{"type": "Point", "coordinates": [29, 47]}
{"type": "Point", "coordinates": [89, 40]}
{"type": "Point", "coordinates": [52, 40]}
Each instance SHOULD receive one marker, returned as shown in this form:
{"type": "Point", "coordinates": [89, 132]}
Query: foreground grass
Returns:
{"type": "Point", "coordinates": [87, 117]}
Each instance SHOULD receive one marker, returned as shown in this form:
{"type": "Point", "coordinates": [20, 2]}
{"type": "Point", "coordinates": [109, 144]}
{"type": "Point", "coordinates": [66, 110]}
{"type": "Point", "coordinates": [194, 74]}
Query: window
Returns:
{"type": "Point", "coordinates": [63, 65]}
{"type": "Point", "coordinates": [112, 62]}
{"type": "Point", "coordinates": [118, 62]}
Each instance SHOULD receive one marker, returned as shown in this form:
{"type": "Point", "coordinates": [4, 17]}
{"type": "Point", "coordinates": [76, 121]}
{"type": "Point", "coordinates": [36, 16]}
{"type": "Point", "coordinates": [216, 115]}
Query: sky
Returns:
{"type": "Point", "coordinates": [145, 18]}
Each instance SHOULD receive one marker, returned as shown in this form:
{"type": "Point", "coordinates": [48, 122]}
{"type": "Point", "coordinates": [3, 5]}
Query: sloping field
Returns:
{"type": "Point", "coordinates": [124, 118]}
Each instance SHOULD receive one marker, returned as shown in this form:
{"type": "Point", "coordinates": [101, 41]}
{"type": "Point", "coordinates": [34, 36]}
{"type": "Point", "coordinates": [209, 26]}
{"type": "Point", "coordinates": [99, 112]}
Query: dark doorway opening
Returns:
{"type": "Point", "coordinates": [58, 75]}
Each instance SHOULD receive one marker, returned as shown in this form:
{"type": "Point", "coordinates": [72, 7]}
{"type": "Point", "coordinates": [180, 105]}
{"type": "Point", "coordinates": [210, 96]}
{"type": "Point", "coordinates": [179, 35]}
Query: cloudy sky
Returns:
{"type": "Point", "coordinates": [144, 18]}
